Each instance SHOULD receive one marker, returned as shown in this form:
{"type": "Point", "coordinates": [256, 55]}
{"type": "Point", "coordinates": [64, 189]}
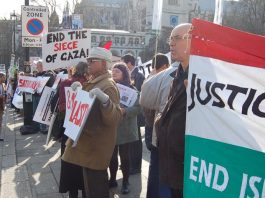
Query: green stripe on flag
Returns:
{"type": "Point", "coordinates": [216, 169]}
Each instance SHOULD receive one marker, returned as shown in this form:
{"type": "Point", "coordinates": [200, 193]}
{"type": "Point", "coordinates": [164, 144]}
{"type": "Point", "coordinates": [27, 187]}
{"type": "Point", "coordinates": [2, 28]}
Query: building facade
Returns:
{"type": "Point", "coordinates": [126, 15]}
{"type": "Point", "coordinates": [123, 42]}
{"type": "Point", "coordinates": [174, 12]}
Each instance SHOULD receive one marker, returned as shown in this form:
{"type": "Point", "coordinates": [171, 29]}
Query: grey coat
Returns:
{"type": "Point", "coordinates": [127, 130]}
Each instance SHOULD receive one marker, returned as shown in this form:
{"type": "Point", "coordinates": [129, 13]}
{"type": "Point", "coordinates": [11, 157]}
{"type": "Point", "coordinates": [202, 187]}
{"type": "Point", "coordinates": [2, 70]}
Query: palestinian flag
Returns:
{"type": "Point", "coordinates": [225, 125]}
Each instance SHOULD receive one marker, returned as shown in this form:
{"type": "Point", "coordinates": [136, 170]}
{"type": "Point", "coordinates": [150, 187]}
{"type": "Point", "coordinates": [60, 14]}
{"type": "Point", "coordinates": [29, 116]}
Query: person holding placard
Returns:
{"type": "Point", "coordinates": [127, 131]}
{"type": "Point", "coordinates": [95, 146]}
{"type": "Point", "coordinates": [71, 177]}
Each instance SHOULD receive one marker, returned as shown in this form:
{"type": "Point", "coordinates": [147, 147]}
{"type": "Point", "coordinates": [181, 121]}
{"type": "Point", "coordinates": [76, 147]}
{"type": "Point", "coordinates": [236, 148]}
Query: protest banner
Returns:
{"type": "Point", "coordinates": [128, 96]}
{"type": "Point", "coordinates": [70, 97]}
{"type": "Point", "coordinates": [65, 48]}
{"type": "Point", "coordinates": [18, 99]}
{"type": "Point", "coordinates": [31, 84]}
{"type": "Point", "coordinates": [225, 137]}
{"type": "Point", "coordinates": [43, 112]}
{"type": "Point", "coordinates": [80, 110]}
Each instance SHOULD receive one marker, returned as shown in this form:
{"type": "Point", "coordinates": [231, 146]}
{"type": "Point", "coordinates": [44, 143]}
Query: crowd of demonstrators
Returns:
{"type": "Point", "coordinates": [136, 148]}
{"type": "Point", "coordinates": [127, 131]}
{"type": "Point", "coordinates": [113, 129]}
{"type": "Point", "coordinates": [71, 175]}
{"type": "Point", "coordinates": [95, 146]}
{"type": "Point", "coordinates": [153, 99]}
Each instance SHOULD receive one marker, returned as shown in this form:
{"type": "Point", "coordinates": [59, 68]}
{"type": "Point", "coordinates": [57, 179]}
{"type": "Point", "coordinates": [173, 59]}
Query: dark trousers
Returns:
{"type": "Point", "coordinates": [176, 193]}
{"type": "Point", "coordinates": [125, 162]}
{"type": "Point", "coordinates": [136, 151]}
{"type": "Point", "coordinates": [154, 188]}
{"type": "Point", "coordinates": [96, 183]}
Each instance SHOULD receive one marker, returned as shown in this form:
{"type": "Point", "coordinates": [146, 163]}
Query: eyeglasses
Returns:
{"type": "Point", "coordinates": [92, 60]}
{"type": "Point", "coordinates": [178, 38]}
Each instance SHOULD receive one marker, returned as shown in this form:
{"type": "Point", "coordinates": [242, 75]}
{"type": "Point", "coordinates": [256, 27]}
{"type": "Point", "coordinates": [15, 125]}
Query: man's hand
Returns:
{"type": "Point", "coordinates": [103, 98]}
{"type": "Point", "coordinates": [76, 85]}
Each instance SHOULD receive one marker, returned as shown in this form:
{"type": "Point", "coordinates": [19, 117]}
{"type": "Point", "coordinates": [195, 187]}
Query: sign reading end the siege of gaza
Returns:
{"type": "Point", "coordinates": [34, 25]}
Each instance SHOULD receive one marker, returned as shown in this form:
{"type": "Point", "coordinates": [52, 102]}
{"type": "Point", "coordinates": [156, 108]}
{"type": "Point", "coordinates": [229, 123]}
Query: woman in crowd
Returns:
{"type": "Point", "coordinates": [126, 132]}
{"type": "Point", "coordinates": [71, 177]}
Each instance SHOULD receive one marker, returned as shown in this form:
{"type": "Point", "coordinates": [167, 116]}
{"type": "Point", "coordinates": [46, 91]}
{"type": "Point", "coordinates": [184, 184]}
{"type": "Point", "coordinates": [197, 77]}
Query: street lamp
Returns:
{"type": "Point", "coordinates": [13, 15]}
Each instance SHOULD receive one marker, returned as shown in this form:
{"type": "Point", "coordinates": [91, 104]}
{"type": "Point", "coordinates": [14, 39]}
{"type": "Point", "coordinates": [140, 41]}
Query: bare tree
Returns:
{"type": "Point", "coordinates": [246, 15]}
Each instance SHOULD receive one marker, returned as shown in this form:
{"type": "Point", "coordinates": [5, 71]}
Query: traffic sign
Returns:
{"type": "Point", "coordinates": [34, 25]}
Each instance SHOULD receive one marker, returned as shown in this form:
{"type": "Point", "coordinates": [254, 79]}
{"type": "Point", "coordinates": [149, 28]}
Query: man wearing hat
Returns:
{"type": "Point", "coordinates": [96, 144]}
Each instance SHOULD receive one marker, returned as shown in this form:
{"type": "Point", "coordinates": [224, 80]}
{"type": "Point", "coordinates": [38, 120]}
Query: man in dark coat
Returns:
{"type": "Point", "coordinates": [171, 124]}
{"type": "Point", "coordinates": [136, 148]}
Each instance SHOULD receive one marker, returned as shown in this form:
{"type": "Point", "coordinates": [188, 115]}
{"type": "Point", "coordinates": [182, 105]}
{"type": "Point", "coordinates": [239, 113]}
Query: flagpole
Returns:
{"type": "Point", "coordinates": [218, 15]}
{"type": "Point", "coordinates": [156, 23]}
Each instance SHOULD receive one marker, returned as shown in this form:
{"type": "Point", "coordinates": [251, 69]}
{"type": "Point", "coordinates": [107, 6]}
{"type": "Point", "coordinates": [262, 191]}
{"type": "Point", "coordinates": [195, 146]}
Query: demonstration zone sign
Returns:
{"type": "Point", "coordinates": [225, 126]}
{"type": "Point", "coordinates": [34, 25]}
{"type": "Point", "coordinates": [65, 48]}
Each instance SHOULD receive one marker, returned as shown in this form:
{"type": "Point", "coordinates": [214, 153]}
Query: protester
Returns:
{"type": "Point", "coordinates": [136, 150]}
{"type": "Point", "coordinates": [170, 125]}
{"type": "Point", "coordinates": [97, 141]}
{"type": "Point", "coordinates": [36, 96]}
{"type": "Point", "coordinates": [155, 90]}
{"type": "Point", "coordinates": [127, 131]}
{"type": "Point", "coordinates": [71, 176]}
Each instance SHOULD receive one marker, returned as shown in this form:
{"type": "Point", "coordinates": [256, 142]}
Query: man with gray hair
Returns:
{"type": "Point", "coordinates": [170, 125]}
{"type": "Point", "coordinates": [96, 144]}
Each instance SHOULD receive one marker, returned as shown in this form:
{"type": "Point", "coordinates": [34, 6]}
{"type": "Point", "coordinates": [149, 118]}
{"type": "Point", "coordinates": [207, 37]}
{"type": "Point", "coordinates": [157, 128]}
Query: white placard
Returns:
{"type": "Point", "coordinates": [78, 115]}
{"type": "Point", "coordinates": [128, 96]}
{"type": "Point", "coordinates": [43, 112]}
{"type": "Point", "coordinates": [18, 99]}
{"type": "Point", "coordinates": [65, 48]}
{"type": "Point", "coordinates": [70, 96]}
{"type": "Point", "coordinates": [31, 84]}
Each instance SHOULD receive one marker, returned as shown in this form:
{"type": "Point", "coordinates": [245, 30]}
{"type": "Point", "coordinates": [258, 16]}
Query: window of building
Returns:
{"type": "Point", "coordinates": [173, 2]}
{"type": "Point", "coordinates": [131, 41]}
{"type": "Point", "coordinates": [117, 39]}
{"type": "Point", "coordinates": [136, 41]}
{"type": "Point", "coordinates": [102, 38]}
{"type": "Point", "coordinates": [94, 39]}
{"type": "Point", "coordinates": [122, 40]}
{"type": "Point", "coordinates": [108, 38]}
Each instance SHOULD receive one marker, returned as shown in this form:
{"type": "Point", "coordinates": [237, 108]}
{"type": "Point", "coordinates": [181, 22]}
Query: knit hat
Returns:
{"type": "Point", "coordinates": [100, 53]}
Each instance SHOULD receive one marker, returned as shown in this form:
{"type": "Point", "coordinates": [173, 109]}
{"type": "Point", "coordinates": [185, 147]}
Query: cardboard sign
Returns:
{"type": "Point", "coordinates": [80, 110]}
{"type": "Point", "coordinates": [43, 112]}
{"type": "Point", "coordinates": [225, 136]}
{"type": "Point", "coordinates": [66, 48]}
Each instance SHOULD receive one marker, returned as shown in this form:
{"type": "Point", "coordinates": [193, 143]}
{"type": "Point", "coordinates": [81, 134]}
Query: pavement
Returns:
{"type": "Point", "coordinates": [30, 169]}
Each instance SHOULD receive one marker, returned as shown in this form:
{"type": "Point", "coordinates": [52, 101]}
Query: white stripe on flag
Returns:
{"type": "Point", "coordinates": [225, 124]}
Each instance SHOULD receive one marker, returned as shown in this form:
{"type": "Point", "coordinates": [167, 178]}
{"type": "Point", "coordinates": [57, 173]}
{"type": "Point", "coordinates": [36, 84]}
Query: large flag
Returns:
{"type": "Point", "coordinates": [225, 127]}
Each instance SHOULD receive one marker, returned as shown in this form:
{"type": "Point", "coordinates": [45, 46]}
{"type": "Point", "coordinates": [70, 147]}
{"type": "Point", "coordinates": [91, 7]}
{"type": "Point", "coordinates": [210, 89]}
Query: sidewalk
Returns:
{"type": "Point", "coordinates": [31, 169]}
